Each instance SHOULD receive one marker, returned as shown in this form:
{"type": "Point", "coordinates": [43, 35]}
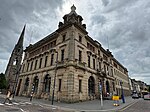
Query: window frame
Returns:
{"type": "Point", "coordinates": [80, 85]}
{"type": "Point", "coordinates": [62, 54]}
{"type": "Point", "coordinates": [80, 56]}
{"type": "Point", "coordinates": [60, 84]}
{"type": "Point", "coordinates": [52, 59]}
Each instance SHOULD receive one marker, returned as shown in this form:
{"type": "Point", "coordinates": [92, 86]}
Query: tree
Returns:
{"type": "Point", "coordinates": [3, 82]}
{"type": "Point", "coordinates": [149, 88]}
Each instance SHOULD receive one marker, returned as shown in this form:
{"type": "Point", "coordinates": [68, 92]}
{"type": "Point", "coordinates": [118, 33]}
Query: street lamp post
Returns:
{"type": "Point", "coordinates": [122, 96]}
{"type": "Point", "coordinates": [54, 50]}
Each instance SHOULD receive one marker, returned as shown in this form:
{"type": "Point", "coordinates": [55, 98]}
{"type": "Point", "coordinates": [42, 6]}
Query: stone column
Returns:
{"type": "Point", "coordinates": [30, 84]}
{"type": "Point", "coordinates": [70, 87]}
{"type": "Point", "coordinates": [40, 86]}
{"type": "Point", "coordinates": [71, 48]}
{"type": "Point", "coordinates": [21, 86]}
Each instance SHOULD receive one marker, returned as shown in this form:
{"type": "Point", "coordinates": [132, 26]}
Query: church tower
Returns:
{"type": "Point", "coordinates": [14, 64]}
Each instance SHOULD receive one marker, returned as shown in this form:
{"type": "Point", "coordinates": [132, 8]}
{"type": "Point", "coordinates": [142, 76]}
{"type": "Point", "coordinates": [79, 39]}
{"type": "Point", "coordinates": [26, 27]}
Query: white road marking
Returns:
{"type": "Point", "coordinates": [128, 106]}
{"type": "Point", "coordinates": [40, 105]}
{"type": "Point", "coordinates": [13, 106]}
{"type": "Point", "coordinates": [53, 108]}
{"type": "Point", "coordinates": [15, 103]}
{"type": "Point", "coordinates": [1, 104]}
{"type": "Point", "coordinates": [22, 110]}
{"type": "Point", "coordinates": [28, 103]}
{"type": "Point", "coordinates": [9, 104]}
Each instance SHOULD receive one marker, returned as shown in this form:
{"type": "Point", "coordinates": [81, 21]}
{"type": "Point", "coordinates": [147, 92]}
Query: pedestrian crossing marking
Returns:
{"type": "Point", "coordinates": [16, 103]}
{"type": "Point", "coordinates": [1, 104]}
{"type": "Point", "coordinates": [28, 103]}
{"type": "Point", "coordinates": [8, 103]}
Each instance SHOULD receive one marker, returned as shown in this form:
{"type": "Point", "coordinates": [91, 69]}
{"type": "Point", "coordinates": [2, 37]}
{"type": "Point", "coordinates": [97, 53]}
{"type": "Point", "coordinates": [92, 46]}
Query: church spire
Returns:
{"type": "Point", "coordinates": [14, 64]}
{"type": "Point", "coordinates": [21, 38]}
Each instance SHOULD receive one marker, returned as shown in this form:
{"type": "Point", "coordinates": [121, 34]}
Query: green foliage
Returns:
{"type": "Point", "coordinates": [3, 82]}
{"type": "Point", "coordinates": [149, 88]}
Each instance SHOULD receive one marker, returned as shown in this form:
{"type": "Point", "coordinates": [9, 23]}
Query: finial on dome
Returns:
{"type": "Point", "coordinates": [73, 8]}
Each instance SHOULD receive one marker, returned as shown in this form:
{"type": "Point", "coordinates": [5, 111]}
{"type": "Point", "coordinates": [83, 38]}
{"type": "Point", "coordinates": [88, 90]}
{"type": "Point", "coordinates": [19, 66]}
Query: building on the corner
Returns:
{"type": "Point", "coordinates": [83, 64]}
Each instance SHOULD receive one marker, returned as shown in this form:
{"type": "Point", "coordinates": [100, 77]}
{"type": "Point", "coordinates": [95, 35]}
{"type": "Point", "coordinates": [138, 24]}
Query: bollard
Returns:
{"type": "Point", "coordinates": [31, 97]}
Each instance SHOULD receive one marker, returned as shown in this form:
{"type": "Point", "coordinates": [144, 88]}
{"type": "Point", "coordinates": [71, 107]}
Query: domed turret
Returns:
{"type": "Point", "coordinates": [72, 18]}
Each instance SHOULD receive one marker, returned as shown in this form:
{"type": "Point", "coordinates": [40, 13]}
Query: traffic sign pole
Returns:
{"type": "Point", "coordinates": [101, 98]}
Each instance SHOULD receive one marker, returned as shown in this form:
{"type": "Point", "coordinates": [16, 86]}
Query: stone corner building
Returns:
{"type": "Point", "coordinates": [82, 65]}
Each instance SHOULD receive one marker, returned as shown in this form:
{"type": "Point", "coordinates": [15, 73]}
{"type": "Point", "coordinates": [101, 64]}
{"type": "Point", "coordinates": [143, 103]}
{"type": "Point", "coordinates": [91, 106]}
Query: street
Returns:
{"type": "Point", "coordinates": [140, 106]}
{"type": "Point", "coordinates": [24, 106]}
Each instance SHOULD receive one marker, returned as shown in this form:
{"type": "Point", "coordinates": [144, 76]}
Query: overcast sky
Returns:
{"type": "Point", "coordinates": [123, 26]}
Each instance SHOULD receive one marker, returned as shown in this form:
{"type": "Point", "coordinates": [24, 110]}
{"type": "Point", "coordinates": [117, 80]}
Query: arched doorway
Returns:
{"type": "Point", "coordinates": [26, 85]}
{"type": "Point", "coordinates": [107, 87]}
{"type": "Point", "coordinates": [35, 84]}
{"type": "Point", "coordinates": [47, 83]}
{"type": "Point", "coordinates": [91, 86]}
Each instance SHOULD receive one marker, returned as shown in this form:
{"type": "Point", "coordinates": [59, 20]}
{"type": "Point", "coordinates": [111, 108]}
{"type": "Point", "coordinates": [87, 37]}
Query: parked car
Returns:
{"type": "Point", "coordinates": [147, 97]}
{"type": "Point", "coordinates": [135, 96]}
{"type": "Point", "coordinates": [144, 93]}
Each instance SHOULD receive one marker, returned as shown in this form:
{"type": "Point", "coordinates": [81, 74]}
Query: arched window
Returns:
{"type": "Point", "coordinates": [15, 62]}
{"type": "Point", "coordinates": [91, 85]}
{"type": "Point", "coordinates": [113, 85]}
{"type": "Point", "coordinates": [47, 83]}
{"type": "Point", "coordinates": [26, 85]}
{"type": "Point", "coordinates": [107, 87]}
{"type": "Point", "coordinates": [35, 83]}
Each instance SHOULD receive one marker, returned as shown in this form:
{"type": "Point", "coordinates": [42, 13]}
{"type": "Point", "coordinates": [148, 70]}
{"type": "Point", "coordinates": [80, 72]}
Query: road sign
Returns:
{"type": "Point", "coordinates": [100, 87]}
{"type": "Point", "coordinates": [115, 97]}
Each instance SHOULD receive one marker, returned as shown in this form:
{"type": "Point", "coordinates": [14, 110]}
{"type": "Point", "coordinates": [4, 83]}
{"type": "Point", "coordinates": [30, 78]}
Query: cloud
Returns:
{"type": "Point", "coordinates": [105, 2]}
{"type": "Point", "coordinates": [100, 20]}
{"type": "Point", "coordinates": [39, 16]}
{"type": "Point", "coordinates": [126, 24]}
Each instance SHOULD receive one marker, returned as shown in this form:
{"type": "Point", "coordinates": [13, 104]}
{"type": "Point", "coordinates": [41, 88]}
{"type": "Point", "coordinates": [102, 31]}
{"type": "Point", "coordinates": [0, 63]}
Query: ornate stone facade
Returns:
{"type": "Point", "coordinates": [82, 64]}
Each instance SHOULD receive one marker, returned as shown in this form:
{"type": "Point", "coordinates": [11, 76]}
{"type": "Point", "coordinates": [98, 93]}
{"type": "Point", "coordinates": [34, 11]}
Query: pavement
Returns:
{"type": "Point", "coordinates": [86, 106]}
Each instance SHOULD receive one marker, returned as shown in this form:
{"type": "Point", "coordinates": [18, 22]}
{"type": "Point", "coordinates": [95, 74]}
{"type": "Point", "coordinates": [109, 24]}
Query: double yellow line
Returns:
{"type": "Point", "coordinates": [124, 108]}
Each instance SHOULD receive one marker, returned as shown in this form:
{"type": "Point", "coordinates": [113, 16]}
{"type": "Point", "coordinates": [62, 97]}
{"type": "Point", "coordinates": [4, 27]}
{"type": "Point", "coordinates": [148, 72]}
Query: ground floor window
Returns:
{"type": "Point", "coordinates": [107, 87]}
{"type": "Point", "coordinates": [47, 83]}
{"type": "Point", "coordinates": [80, 85]}
{"type": "Point", "coordinates": [26, 85]}
{"type": "Point", "coordinates": [35, 84]}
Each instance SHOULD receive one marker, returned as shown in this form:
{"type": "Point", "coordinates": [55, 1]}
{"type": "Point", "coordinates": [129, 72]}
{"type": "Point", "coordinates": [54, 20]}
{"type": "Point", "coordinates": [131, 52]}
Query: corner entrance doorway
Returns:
{"type": "Point", "coordinates": [91, 86]}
